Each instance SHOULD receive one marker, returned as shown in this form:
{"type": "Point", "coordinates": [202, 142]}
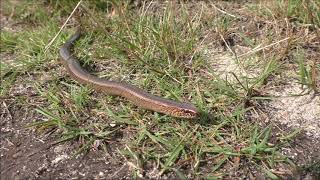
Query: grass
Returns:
{"type": "Point", "coordinates": [157, 50]}
{"type": "Point", "coordinates": [306, 77]}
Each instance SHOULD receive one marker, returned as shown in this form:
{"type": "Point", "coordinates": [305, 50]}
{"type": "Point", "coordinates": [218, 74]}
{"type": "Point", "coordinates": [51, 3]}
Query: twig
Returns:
{"type": "Point", "coordinates": [6, 107]}
{"type": "Point", "coordinates": [225, 42]}
{"type": "Point", "coordinates": [224, 12]}
{"type": "Point", "coordinates": [254, 50]}
{"type": "Point", "coordinates": [233, 53]}
{"type": "Point", "coordinates": [65, 23]}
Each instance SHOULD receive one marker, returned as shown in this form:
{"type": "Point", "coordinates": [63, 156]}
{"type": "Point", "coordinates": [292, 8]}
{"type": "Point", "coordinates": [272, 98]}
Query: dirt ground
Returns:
{"type": "Point", "coordinates": [28, 154]}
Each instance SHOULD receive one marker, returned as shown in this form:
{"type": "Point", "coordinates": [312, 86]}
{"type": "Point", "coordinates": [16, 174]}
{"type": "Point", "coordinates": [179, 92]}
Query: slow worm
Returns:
{"type": "Point", "coordinates": [134, 94]}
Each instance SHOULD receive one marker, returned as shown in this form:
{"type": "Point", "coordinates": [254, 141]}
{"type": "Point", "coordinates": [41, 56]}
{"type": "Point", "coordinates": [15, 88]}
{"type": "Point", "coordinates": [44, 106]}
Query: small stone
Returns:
{"type": "Point", "coordinates": [112, 124]}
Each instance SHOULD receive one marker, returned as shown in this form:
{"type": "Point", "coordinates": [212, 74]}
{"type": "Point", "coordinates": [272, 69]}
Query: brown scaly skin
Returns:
{"type": "Point", "coordinates": [134, 94]}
